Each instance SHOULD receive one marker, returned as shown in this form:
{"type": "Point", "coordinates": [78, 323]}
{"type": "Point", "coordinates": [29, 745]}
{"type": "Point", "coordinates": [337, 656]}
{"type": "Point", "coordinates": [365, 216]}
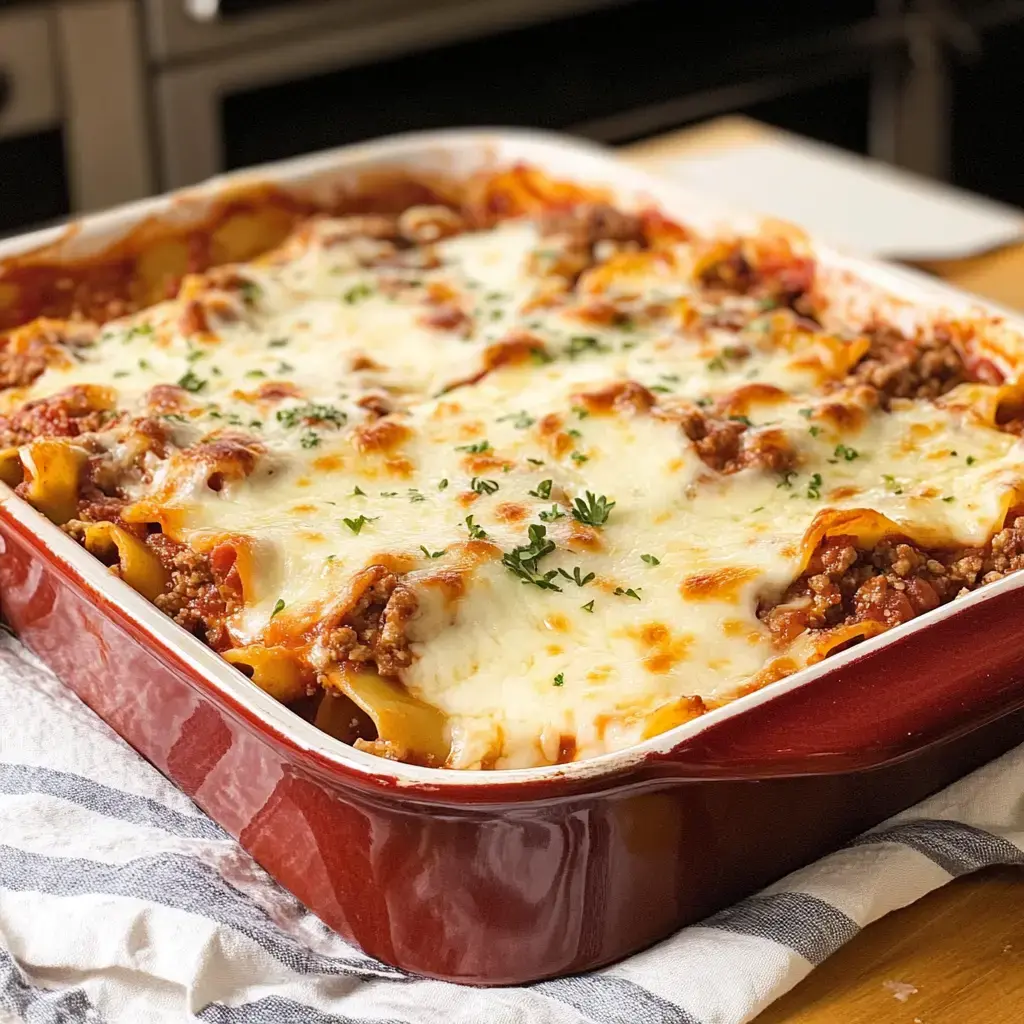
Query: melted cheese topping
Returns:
{"type": "Point", "coordinates": [655, 603]}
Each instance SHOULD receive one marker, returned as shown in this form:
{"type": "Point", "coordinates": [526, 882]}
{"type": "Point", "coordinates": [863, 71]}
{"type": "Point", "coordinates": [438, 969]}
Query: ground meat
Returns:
{"type": "Point", "coordinates": [582, 230]}
{"type": "Point", "coordinates": [373, 631]}
{"type": "Point", "coordinates": [587, 224]}
{"type": "Point", "coordinates": [22, 361]}
{"type": "Point", "coordinates": [729, 445]}
{"type": "Point", "coordinates": [901, 367]}
{"type": "Point", "coordinates": [198, 598]}
{"type": "Point", "coordinates": [891, 584]}
{"type": "Point", "coordinates": [69, 414]}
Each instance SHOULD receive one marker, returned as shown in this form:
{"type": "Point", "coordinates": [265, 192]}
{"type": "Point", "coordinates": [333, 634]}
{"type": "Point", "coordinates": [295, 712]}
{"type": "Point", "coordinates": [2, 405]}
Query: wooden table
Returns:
{"type": "Point", "coordinates": [956, 956]}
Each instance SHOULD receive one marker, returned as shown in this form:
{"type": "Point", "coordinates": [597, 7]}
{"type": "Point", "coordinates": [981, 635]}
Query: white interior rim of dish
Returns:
{"type": "Point", "coordinates": [460, 151]}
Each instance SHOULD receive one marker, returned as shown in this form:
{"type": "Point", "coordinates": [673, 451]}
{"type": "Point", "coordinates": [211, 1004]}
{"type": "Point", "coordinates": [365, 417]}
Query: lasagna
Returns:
{"type": "Point", "coordinates": [505, 475]}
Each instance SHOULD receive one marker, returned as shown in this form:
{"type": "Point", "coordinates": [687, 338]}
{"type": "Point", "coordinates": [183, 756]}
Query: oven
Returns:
{"type": "Point", "coordinates": [241, 82]}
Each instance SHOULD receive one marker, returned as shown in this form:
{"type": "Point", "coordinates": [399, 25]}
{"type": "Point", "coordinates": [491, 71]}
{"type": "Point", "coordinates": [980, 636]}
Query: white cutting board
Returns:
{"type": "Point", "coordinates": [856, 203]}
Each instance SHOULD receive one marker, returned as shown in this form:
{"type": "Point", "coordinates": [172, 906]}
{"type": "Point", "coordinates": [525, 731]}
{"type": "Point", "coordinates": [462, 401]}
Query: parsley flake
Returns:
{"type": "Point", "coordinates": [520, 420]}
{"type": "Point", "coordinates": [278, 607]}
{"type": "Point", "coordinates": [543, 490]}
{"type": "Point", "coordinates": [594, 511]}
{"type": "Point", "coordinates": [588, 607]}
{"type": "Point", "coordinates": [814, 487]}
{"type": "Point", "coordinates": [579, 458]}
{"type": "Point", "coordinates": [560, 679]}
{"type": "Point", "coordinates": [523, 561]}
{"type": "Point", "coordinates": [481, 486]}
{"type": "Point", "coordinates": [891, 484]}
{"type": "Point", "coordinates": [357, 293]}
{"type": "Point", "coordinates": [476, 448]}
{"type": "Point", "coordinates": [619, 592]}
{"type": "Point", "coordinates": [355, 525]}
{"type": "Point", "coordinates": [442, 484]}
{"type": "Point", "coordinates": [309, 439]}
{"type": "Point", "coordinates": [432, 554]}
{"type": "Point", "coordinates": [358, 492]}
{"type": "Point", "coordinates": [843, 452]}
{"type": "Point", "coordinates": [971, 460]}
{"type": "Point", "coordinates": [475, 532]}
{"type": "Point", "coordinates": [948, 498]}
{"type": "Point", "coordinates": [188, 381]}
{"type": "Point", "coordinates": [650, 559]}
{"type": "Point", "coordinates": [552, 514]}
{"type": "Point", "coordinates": [577, 576]}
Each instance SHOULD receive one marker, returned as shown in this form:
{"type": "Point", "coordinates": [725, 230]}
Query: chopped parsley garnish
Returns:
{"type": "Point", "coordinates": [278, 607]}
{"type": "Point", "coordinates": [574, 434]}
{"type": "Point", "coordinates": [138, 331]}
{"type": "Point", "coordinates": [594, 511]}
{"type": "Point", "coordinates": [195, 354]}
{"type": "Point", "coordinates": [283, 367]}
{"type": "Point", "coordinates": [355, 525]}
{"type": "Point", "coordinates": [660, 389]}
{"type": "Point", "coordinates": [431, 554]}
{"type": "Point", "coordinates": [560, 679]}
{"type": "Point", "coordinates": [807, 413]}
{"type": "Point", "coordinates": [278, 342]}
{"type": "Point", "coordinates": [760, 508]}
{"type": "Point", "coordinates": [540, 356]}
{"type": "Point", "coordinates": [358, 492]}
{"type": "Point", "coordinates": [415, 496]}
{"type": "Point", "coordinates": [580, 343]}
{"type": "Point", "coordinates": [787, 478]}
{"type": "Point", "coordinates": [481, 486]}
{"type": "Point", "coordinates": [716, 365]}
{"type": "Point", "coordinates": [543, 490]}
{"type": "Point", "coordinates": [843, 452]}
{"type": "Point", "coordinates": [550, 515]}
{"type": "Point", "coordinates": [251, 292]}
{"type": "Point", "coordinates": [309, 439]}
{"type": "Point", "coordinates": [389, 494]}
{"type": "Point", "coordinates": [814, 431]}
{"type": "Point", "coordinates": [971, 460]}
{"type": "Point", "coordinates": [357, 293]}
{"type": "Point", "coordinates": [577, 576]}
{"type": "Point", "coordinates": [476, 448]}
{"type": "Point", "coordinates": [475, 532]}
{"type": "Point", "coordinates": [256, 373]}
{"type": "Point", "coordinates": [311, 412]}
{"type": "Point", "coordinates": [121, 373]}
{"type": "Point", "coordinates": [520, 420]}
{"type": "Point", "coordinates": [588, 607]}
{"type": "Point", "coordinates": [523, 560]}
{"type": "Point", "coordinates": [442, 484]}
{"type": "Point", "coordinates": [188, 381]}
{"type": "Point", "coordinates": [579, 458]}
{"type": "Point", "coordinates": [619, 592]}
{"type": "Point", "coordinates": [650, 559]}
{"type": "Point", "coordinates": [581, 412]}
{"type": "Point", "coordinates": [814, 487]}
{"type": "Point", "coordinates": [891, 485]}
{"type": "Point", "coordinates": [745, 420]}
{"type": "Point", "coordinates": [948, 498]}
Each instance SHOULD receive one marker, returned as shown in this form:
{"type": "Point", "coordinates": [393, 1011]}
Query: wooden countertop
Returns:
{"type": "Point", "coordinates": [956, 956]}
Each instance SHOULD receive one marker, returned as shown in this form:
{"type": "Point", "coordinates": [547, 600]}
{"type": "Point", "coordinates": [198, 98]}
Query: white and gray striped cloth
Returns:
{"type": "Point", "coordinates": [121, 903]}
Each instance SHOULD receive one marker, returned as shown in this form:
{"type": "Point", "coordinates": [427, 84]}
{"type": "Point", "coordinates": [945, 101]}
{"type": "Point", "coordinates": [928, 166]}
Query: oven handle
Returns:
{"type": "Point", "coordinates": [929, 686]}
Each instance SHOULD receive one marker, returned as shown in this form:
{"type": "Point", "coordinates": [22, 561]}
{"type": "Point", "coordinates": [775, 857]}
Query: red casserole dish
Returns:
{"type": "Point", "coordinates": [510, 876]}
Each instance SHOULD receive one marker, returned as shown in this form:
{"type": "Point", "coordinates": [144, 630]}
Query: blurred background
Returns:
{"type": "Point", "coordinates": [102, 101]}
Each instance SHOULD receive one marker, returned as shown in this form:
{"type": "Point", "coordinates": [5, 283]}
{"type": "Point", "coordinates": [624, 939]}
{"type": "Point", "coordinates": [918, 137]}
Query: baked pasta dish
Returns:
{"type": "Point", "coordinates": [497, 474]}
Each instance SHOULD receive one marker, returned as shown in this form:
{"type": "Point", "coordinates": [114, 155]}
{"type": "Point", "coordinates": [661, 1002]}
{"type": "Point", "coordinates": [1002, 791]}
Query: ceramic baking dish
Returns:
{"type": "Point", "coordinates": [504, 877]}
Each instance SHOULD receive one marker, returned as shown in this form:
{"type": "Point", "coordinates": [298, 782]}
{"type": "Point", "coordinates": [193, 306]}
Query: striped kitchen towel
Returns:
{"type": "Point", "coordinates": [121, 903]}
